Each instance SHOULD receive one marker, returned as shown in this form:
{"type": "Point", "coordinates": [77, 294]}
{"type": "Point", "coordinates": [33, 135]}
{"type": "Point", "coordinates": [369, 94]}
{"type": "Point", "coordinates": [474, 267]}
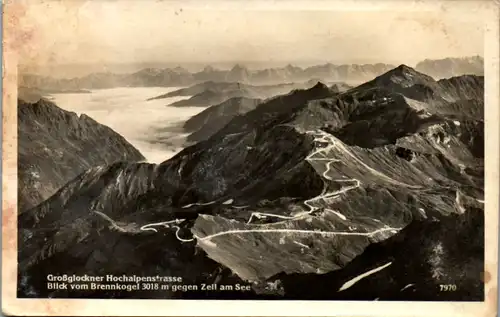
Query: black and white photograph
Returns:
{"type": "Point", "coordinates": [170, 151]}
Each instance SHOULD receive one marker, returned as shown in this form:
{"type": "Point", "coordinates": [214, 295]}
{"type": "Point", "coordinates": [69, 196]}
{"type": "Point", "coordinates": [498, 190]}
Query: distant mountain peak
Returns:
{"type": "Point", "coordinates": [292, 68]}
{"type": "Point", "coordinates": [405, 69]}
{"type": "Point", "coordinates": [208, 69]}
{"type": "Point", "coordinates": [238, 73]}
{"type": "Point", "coordinates": [320, 89]}
{"type": "Point", "coordinates": [406, 80]}
{"type": "Point", "coordinates": [405, 76]}
{"type": "Point", "coordinates": [320, 85]}
{"type": "Point", "coordinates": [179, 69]}
{"type": "Point", "coordinates": [238, 67]}
{"type": "Point", "coordinates": [149, 71]}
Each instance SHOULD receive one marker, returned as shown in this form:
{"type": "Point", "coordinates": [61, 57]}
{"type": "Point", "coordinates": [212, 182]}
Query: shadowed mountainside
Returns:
{"type": "Point", "coordinates": [56, 145]}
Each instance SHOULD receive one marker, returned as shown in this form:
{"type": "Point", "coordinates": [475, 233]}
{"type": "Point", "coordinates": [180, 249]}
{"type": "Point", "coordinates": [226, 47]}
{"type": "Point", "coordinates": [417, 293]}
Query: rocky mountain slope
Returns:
{"type": "Point", "coordinates": [56, 145]}
{"type": "Point", "coordinates": [301, 186]}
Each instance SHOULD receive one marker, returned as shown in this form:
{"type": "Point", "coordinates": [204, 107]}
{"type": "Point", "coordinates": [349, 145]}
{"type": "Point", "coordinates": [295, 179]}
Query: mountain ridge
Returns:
{"type": "Point", "coordinates": [174, 77]}
{"type": "Point", "coordinates": [47, 132]}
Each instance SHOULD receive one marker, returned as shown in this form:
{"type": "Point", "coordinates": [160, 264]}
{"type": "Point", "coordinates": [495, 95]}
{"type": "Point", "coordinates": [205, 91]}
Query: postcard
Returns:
{"type": "Point", "coordinates": [261, 158]}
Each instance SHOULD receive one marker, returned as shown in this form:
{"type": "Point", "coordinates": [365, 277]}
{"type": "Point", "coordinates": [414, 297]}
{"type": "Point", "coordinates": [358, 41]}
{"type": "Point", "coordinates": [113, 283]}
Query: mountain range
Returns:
{"type": "Point", "coordinates": [180, 77]}
{"type": "Point", "coordinates": [297, 196]}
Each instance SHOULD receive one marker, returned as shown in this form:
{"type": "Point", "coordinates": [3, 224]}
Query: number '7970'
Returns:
{"type": "Point", "coordinates": [447, 287]}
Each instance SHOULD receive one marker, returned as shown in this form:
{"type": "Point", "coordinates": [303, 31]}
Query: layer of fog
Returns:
{"type": "Point", "coordinates": [150, 126]}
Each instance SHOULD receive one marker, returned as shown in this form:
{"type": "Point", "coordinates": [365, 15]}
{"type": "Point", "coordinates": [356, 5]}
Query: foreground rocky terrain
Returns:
{"type": "Point", "coordinates": [447, 251]}
{"type": "Point", "coordinates": [313, 187]}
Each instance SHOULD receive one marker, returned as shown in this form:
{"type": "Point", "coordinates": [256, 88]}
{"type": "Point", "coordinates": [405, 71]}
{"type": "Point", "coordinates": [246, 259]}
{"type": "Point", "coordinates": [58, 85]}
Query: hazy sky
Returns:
{"type": "Point", "coordinates": [123, 31]}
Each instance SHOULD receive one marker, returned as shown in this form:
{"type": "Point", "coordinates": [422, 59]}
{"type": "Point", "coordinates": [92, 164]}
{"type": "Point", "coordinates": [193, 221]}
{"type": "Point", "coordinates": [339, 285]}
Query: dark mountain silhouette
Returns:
{"type": "Point", "coordinates": [56, 145]}
{"type": "Point", "coordinates": [299, 188]}
{"type": "Point", "coordinates": [212, 93]}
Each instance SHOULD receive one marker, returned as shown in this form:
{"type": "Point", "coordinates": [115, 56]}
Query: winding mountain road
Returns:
{"type": "Point", "coordinates": [320, 154]}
